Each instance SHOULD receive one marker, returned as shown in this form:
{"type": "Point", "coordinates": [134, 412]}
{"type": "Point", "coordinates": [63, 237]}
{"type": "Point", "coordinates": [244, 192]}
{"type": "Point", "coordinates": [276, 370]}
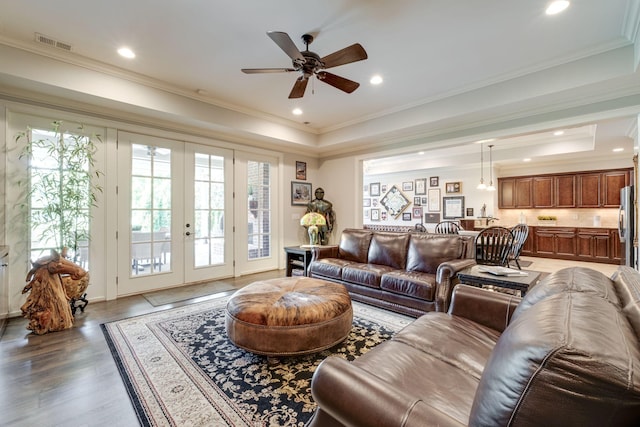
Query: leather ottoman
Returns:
{"type": "Point", "coordinates": [289, 316]}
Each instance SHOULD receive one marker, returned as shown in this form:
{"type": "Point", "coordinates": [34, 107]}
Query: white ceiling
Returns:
{"type": "Point", "coordinates": [426, 51]}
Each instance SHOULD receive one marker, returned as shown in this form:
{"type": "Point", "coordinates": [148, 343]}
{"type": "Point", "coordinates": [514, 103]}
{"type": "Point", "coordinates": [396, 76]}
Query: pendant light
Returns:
{"type": "Point", "coordinates": [482, 185]}
{"type": "Point", "coordinates": [491, 186]}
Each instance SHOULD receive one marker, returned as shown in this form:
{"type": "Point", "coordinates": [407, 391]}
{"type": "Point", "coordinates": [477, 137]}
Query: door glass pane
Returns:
{"type": "Point", "coordinates": [259, 212]}
{"type": "Point", "coordinates": [150, 210]}
{"type": "Point", "coordinates": [209, 210]}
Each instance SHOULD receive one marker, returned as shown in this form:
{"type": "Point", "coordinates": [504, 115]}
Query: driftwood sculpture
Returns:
{"type": "Point", "coordinates": [47, 306]}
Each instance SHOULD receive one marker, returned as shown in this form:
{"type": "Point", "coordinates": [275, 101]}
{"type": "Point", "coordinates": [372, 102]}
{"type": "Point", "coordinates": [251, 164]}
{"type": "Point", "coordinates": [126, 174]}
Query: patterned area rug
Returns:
{"type": "Point", "coordinates": [181, 370]}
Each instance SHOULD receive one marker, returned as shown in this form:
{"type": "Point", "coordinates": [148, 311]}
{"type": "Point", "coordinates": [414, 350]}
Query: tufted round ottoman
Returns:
{"type": "Point", "coordinates": [289, 316]}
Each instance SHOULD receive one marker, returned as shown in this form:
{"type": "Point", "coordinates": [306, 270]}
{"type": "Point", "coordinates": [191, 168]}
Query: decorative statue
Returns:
{"type": "Point", "coordinates": [326, 209]}
{"type": "Point", "coordinates": [47, 306]}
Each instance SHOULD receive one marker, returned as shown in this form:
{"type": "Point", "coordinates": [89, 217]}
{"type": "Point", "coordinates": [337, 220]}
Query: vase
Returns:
{"type": "Point", "coordinates": [313, 234]}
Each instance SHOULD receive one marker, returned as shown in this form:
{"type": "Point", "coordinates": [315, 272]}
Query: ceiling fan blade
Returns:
{"type": "Point", "coordinates": [338, 82]}
{"type": "Point", "coordinates": [287, 45]}
{"type": "Point", "coordinates": [299, 88]}
{"type": "Point", "coordinates": [349, 54]}
{"type": "Point", "coordinates": [266, 70]}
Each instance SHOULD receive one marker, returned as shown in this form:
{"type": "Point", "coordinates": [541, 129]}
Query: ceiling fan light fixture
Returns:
{"type": "Point", "coordinates": [296, 112]}
{"type": "Point", "coordinates": [376, 80]}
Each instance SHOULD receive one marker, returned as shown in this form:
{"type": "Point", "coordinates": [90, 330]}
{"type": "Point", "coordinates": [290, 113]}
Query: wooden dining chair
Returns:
{"type": "Point", "coordinates": [493, 246]}
{"type": "Point", "coordinates": [448, 227]}
{"type": "Point", "coordinates": [520, 233]}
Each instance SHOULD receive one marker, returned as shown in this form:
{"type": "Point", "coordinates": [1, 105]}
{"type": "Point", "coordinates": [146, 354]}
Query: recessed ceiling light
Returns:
{"type": "Point", "coordinates": [618, 149]}
{"type": "Point", "coordinates": [126, 52]}
{"type": "Point", "coordinates": [376, 80]}
{"type": "Point", "coordinates": [483, 141]}
{"type": "Point", "coordinates": [421, 153]}
{"type": "Point", "coordinates": [526, 160]}
{"type": "Point", "coordinates": [297, 111]}
{"type": "Point", "coordinates": [558, 133]}
{"type": "Point", "coordinates": [556, 7]}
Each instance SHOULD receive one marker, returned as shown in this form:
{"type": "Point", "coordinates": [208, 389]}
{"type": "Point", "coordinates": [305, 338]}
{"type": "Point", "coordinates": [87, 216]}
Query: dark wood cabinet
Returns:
{"type": "Point", "coordinates": [597, 189]}
{"type": "Point", "coordinates": [565, 191]}
{"type": "Point", "coordinates": [543, 192]}
{"type": "Point", "coordinates": [559, 242]}
{"type": "Point", "coordinates": [593, 243]}
{"type": "Point", "coordinates": [589, 190]}
{"type": "Point", "coordinates": [579, 244]}
{"type": "Point", "coordinates": [506, 193]}
{"type": "Point", "coordinates": [612, 182]}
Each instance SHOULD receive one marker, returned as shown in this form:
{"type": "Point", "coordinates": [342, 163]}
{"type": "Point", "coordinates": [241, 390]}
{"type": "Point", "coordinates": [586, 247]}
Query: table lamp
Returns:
{"type": "Point", "coordinates": [312, 220]}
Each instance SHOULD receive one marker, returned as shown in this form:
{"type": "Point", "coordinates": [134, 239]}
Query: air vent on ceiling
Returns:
{"type": "Point", "coordinates": [52, 42]}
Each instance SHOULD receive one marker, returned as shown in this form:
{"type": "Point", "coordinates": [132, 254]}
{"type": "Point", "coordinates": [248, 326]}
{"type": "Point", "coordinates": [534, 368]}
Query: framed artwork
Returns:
{"type": "Point", "coordinates": [374, 189]}
{"type": "Point", "coordinates": [383, 188]}
{"type": "Point", "coordinates": [433, 200]}
{"type": "Point", "coordinates": [394, 201]}
{"type": "Point", "coordinates": [424, 201]}
{"type": "Point", "coordinates": [374, 202]}
{"type": "Point", "coordinates": [383, 216]}
{"type": "Point", "coordinates": [434, 181]}
{"type": "Point", "coordinates": [421, 186]}
{"type": "Point", "coordinates": [406, 216]}
{"type": "Point", "coordinates": [375, 214]}
{"type": "Point", "coordinates": [300, 193]}
{"type": "Point", "coordinates": [416, 201]}
{"type": "Point", "coordinates": [407, 186]}
{"type": "Point", "coordinates": [417, 212]}
{"type": "Point", "coordinates": [301, 170]}
{"type": "Point", "coordinates": [366, 214]}
{"type": "Point", "coordinates": [366, 202]}
{"type": "Point", "coordinates": [453, 207]}
{"type": "Point", "coordinates": [469, 211]}
{"type": "Point", "coordinates": [453, 187]}
{"type": "Point", "coordinates": [431, 218]}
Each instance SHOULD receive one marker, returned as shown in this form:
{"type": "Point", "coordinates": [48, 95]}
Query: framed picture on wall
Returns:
{"type": "Point", "coordinates": [374, 189]}
{"type": "Point", "coordinates": [469, 211]}
{"type": "Point", "coordinates": [453, 207]}
{"type": "Point", "coordinates": [406, 216]}
{"type": "Point", "coordinates": [407, 186]}
{"type": "Point", "coordinates": [375, 214]}
{"type": "Point", "coordinates": [301, 170]}
{"type": "Point", "coordinates": [433, 200]}
{"type": "Point", "coordinates": [421, 186]}
{"type": "Point", "coordinates": [300, 193]}
{"type": "Point", "coordinates": [417, 212]}
{"type": "Point", "coordinates": [366, 202]}
{"type": "Point", "coordinates": [453, 187]}
{"type": "Point", "coordinates": [434, 181]}
{"type": "Point", "coordinates": [416, 201]}
{"type": "Point", "coordinates": [431, 218]}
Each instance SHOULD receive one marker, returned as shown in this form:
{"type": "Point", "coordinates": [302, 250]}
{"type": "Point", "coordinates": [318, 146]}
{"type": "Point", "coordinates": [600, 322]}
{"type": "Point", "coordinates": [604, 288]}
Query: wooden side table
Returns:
{"type": "Point", "coordinates": [298, 258]}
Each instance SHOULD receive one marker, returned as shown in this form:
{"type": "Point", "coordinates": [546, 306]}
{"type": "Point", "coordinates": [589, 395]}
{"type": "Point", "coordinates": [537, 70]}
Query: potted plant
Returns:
{"type": "Point", "coordinates": [61, 189]}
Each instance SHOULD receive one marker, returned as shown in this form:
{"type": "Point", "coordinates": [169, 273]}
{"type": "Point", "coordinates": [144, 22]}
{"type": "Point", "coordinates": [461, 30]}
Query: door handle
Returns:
{"type": "Point", "coordinates": [187, 233]}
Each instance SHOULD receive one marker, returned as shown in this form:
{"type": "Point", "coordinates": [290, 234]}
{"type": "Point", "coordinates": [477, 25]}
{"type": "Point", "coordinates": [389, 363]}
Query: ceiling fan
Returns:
{"type": "Point", "coordinates": [309, 63]}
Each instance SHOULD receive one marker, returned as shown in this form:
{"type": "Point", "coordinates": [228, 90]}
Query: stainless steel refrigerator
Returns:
{"type": "Point", "coordinates": [626, 225]}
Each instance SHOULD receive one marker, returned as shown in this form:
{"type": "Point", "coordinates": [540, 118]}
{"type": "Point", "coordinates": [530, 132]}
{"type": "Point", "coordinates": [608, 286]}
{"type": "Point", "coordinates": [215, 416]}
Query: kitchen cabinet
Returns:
{"type": "Point", "coordinates": [593, 243]}
{"type": "Point", "coordinates": [617, 248]}
{"type": "Point", "coordinates": [528, 249]}
{"type": "Point", "coordinates": [597, 189]}
{"type": "Point", "coordinates": [589, 190]}
{"type": "Point", "coordinates": [515, 193]}
{"type": "Point", "coordinates": [557, 241]}
{"type": "Point", "coordinates": [565, 191]}
{"type": "Point", "coordinates": [543, 191]}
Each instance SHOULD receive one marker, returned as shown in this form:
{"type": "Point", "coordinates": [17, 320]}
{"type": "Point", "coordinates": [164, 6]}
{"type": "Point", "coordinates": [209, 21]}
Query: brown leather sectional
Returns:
{"type": "Point", "coordinates": [411, 273]}
{"type": "Point", "coordinates": [568, 354]}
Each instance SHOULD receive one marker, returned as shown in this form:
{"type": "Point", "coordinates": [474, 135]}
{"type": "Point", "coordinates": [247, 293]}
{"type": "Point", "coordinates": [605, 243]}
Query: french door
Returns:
{"type": "Point", "coordinates": [175, 215]}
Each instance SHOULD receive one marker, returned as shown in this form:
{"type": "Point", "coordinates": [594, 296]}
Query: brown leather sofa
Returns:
{"type": "Point", "coordinates": [411, 273]}
{"type": "Point", "coordinates": [567, 355]}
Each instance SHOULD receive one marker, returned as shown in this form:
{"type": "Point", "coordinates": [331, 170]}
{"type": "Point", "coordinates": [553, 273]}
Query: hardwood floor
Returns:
{"type": "Point", "coordinates": [69, 378]}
